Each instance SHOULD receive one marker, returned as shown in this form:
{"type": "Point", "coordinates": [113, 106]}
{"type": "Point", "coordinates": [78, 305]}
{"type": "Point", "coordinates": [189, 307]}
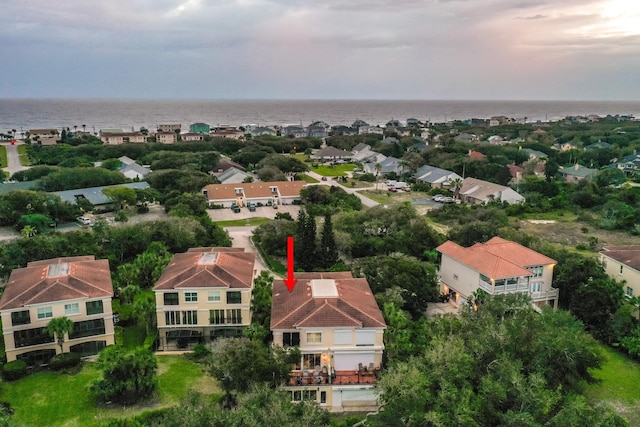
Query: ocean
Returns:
{"type": "Point", "coordinates": [95, 114]}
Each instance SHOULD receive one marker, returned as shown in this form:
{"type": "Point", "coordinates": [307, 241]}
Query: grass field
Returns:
{"type": "Point", "coordinates": [53, 399]}
{"type": "Point", "coordinates": [618, 385]}
{"type": "Point", "coordinates": [3, 156]}
{"type": "Point", "coordinates": [307, 178]}
{"type": "Point", "coordinates": [334, 170]}
{"type": "Point", "coordinates": [24, 158]}
{"type": "Point", "coordinates": [242, 222]}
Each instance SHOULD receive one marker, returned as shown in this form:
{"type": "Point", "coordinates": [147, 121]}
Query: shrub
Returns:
{"type": "Point", "coordinates": [200, 351]}
{"type": "Point", "coordinates": [14, 370]}
{"type": "Point", "coordinates": [64, 360]}
{"type": "Point", "coordinates": [142, 209]}
{"type": "Point", "coordinates": [149, 342]}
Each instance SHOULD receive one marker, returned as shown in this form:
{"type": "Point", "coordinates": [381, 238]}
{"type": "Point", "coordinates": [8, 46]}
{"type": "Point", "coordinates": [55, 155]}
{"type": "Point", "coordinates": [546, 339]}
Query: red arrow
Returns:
{"type": "Point", "coordinates": [290, 281]}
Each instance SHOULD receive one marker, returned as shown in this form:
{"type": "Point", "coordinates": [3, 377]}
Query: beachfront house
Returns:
{"type": "Point", "coordinates": [497, 267]}
{"type": "Point", "coordinates": [78, 288]}
{"type": "Point", "coordinates": [335, 321]}
{"type": "Point", "coordinates": [204, 294]}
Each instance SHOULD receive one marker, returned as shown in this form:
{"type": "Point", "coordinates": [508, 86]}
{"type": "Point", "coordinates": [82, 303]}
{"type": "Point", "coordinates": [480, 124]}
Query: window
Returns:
{"type": "Point", "coordinates": [45, 313]}
{"type": "Point", "coordinates": [629, 291]}
{"type": "Point", "coordinates": [94, 307]}
{"type": "Point", "coordinates": [537, 271]}
{"type": "Point", "coordinates": [216, 317]}
{"type": "Point", "coordinates": [172, 317]}
{"type": "Point", "coordinates": [342, 337]}
{"type": "Point", "coordinates": [291, 339]}
{"type": "Point", "coordinates": [311, 361]}
{"type": "Point", "coordinates": [234, 316]}
{"type": "Point", "coordinates": [20, 318]}
{"type": "Point", "coordinates": [71, 309]}
{"type": "Point", "coordinates": [87, 328]}
{"type": "Point", "coordinates": [536, 287]}
{"type": "Point", "coordinates": [213, 296]}
{"type": "Point", "coordinates": [314, 337]}
{"type": "Point", "coordinates": [190, 317]}
{"type": "Point", "coordinates": [171, 298]}
{"type": "Point", "coordinates": [191, 296]}
{"type": "Point", "coordinates": [234, 298]}
{"type": "Point", "coordinates": [300, 395]}
{"type": "Point", "coordinates": [621, 267]}
{"type": "Point", "coordinates": [29, 337]}
{"type": "Point", "coordinates": [323, 397]}
{"type": "Point", "coordinates": [365, 338]}
{"type": "Point", "coordinates": [485, 278]}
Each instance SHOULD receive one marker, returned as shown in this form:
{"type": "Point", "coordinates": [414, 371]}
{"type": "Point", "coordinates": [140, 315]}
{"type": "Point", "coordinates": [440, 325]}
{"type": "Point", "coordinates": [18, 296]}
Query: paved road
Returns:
{"type": "Point", "coordinates": [241, 238]}
{"type": "Point", "coordinates": [13, 158]}
{"type": "Point", "coordinates": [365, 200]}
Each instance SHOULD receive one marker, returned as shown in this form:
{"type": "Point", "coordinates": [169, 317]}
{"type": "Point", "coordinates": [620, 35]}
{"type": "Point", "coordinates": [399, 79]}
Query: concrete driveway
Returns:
{"type": "Point", "coordinates": [13, 158]}
{"type": "Point", "coordinates": [241, 238]}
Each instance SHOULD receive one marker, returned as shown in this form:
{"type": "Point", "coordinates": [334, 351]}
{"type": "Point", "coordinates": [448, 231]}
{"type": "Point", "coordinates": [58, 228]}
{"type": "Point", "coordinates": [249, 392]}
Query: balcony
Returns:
{"type": "Point", "coordinates": [307, 378]}
{"type": "Point", "coordinates": [520, 287]}
{"type": "Point", "coordinates": [545, 296]}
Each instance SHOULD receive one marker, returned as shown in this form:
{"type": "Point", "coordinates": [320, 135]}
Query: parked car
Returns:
{"type": "Point", "coordinates": [84, 220]}
{"type": "Point", "coordinates": [392, 189]}
{"type": "Point", "coordinates": [324, 178]}
{"type": "Point", "coordinates": [438, 198]}
{"type": "Point", "coordinates": [251, 206]}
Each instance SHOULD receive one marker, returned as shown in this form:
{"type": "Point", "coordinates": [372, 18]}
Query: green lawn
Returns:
{"type": "Point", "coordinates": [3, 156]}
{"type": "Point", "coordinates": [244, 222]}
{"type": "Point", "coordinates": [53, 399]}
{"type": "Point", "coordinates": [334, 170]}
{"type": "Point", "coordinates": [24, 157]}
{"type": "Point", "coordinates": [618, 385]}
{"type": "Point", "coordinates": [307, 178]}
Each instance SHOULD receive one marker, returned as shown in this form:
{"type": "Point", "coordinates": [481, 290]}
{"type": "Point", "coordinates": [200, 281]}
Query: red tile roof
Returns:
{"type": "Point", "coordinates": [232, 268]}
{"type": "Point", "coordinates": [253, 189]}
{"type": "Point", "coordinates": [497, 259]}
{"type": "Point", "coordinates": [355, 305]}
{"type": "Point", "coordinates": [476, 155]}
{"type": "Point", "coordinates": [57, 280]}
{"type": "Point", "coordinates": [627, 255]}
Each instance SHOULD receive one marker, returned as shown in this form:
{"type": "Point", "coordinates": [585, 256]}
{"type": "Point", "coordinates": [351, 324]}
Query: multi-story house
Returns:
{"type": "Point", "coordinates": [167, 137]}
{"type": "Point", "coordinates": [204, 294]}
{"type": "Point", "coordinates": [201, 128]}
{"type": "Point", "coordinates": [497, 267]}
{"type": "Point", "coordinates": [78, 288]}
{"type": "Point", "coordinates": [623, 264]}
{"type": "Point", "coordinates": [122, 138]}
{"type": "Point", "coordinates": [335, 321]}
{"type": "Point", "coordinates": [173, 127]}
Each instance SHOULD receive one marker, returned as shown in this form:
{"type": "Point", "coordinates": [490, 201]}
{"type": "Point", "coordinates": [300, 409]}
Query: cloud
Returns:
{"type": "Point", "coordinates": [300, 48]}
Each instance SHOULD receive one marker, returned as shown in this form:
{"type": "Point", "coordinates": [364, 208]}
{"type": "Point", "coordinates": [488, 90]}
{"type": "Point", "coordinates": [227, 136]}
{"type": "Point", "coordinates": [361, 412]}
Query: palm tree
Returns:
{"type": "Point", "coordinates": [29, 231]}
{"type": "Point", "coordinates": [457, 185]}
{"type": "Point", "coordinates": [58, 327]}
{"type": "Point", "coordinates": [378, 169]}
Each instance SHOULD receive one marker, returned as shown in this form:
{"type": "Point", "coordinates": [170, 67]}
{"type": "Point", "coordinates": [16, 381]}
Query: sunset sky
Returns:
{"type": "Point", "coordinates": [321, 49]}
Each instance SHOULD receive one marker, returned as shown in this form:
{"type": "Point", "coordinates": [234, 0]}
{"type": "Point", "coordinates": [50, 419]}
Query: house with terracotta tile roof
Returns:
{"type": "Point", "coordinates": [335, 321]}
{"type": "Point", "coordinates": [265, 193]}
{"type": "Point", "coordinates": [78, 288]}
{"type": "Point", "coordinates": [166, 137]}
{"type": "Point", "coordinates": [203, 294]}
{"type": "Point", "coordinates": [623, 264]}
{"type": "Point", "coordinates": [497, 267]}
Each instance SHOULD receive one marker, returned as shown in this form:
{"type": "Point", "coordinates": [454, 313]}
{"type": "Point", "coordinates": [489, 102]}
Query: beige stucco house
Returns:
{"type": "Point", "coordinates": [122, 138]}
{"type": "Point", "coordinates": [167, 137]}
{"type": "Point", "coordinates": [266, 193]}
{"type": "Point", "coordinates": [78, 288]}
{"type": "Point", "coordinates": [497, 267]}
{"type": "Point", "coordinates": [623, 264]}
{"type": "Point", "coordinates": [204, 294]}
{"type": "Point", "coordinates": [335, 321]}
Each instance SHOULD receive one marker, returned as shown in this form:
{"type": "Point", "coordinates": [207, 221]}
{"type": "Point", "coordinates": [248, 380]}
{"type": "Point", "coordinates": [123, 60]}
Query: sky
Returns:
{"type": "Point", "coordinates": [321, 49]}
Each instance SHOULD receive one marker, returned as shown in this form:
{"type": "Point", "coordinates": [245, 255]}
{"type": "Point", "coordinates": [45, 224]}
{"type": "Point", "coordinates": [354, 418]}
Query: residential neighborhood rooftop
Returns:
{"type": "Point", "coordinates": [324, 300]}
{"type": "Point", "coordinates": [56, 280]}
{"type": "Point", "coordinates": [218, 267]}
{"type": "Point", "coordinates": [497, 258]}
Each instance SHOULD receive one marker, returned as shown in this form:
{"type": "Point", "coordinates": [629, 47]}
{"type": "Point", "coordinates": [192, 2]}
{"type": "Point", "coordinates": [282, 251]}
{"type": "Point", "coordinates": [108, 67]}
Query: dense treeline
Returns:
{"type": "Point", "coordinates": [117, 244]}
{"type": "Point", "coordinates": [498, 364]}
